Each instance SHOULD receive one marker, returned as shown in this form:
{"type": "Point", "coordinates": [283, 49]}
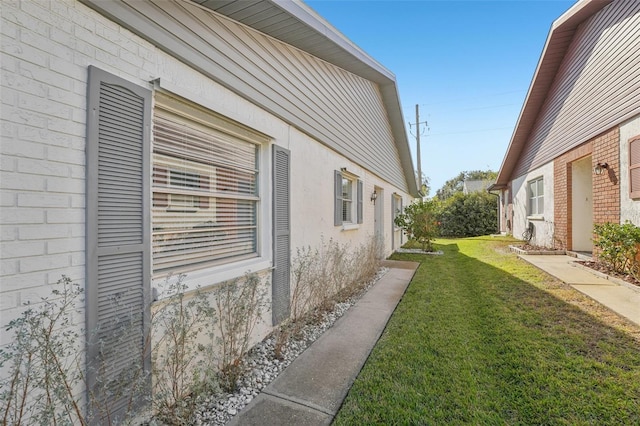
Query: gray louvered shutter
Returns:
{"type": "Point", "coordinates": [337, 195]}
{"type": "Point", "coordinates": [360, 190]}
{"type": "Point", "coordinates": [118, 241]}
{"type": "Point", "coordinates": [282, 233]}
{"type": "Point", "coordinates": [634, 167]}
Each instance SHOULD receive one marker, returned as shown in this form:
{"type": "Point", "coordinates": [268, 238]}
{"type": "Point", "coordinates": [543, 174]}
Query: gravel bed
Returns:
{"type": "Point", "coordinates": [419, 251]}
{"type": "Point", "coordinates": [264, 367]}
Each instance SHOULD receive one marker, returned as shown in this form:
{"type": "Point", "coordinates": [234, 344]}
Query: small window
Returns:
{"type": "Point", "coordinates": [536, 197]}
{"type": "Point", "coordinates": [634, 167]}
{"type": "Point", "coordinates": [348, 199]}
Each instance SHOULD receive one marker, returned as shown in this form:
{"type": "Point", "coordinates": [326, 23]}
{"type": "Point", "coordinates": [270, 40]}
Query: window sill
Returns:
{"type": "Point", "coordinates": [535, 217]}
{"type": "Point", "coordinates": [208, 276]}
{"type": "Point", "coordinates": [350, 226]}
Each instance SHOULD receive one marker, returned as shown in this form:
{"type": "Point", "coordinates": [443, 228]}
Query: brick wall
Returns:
{"type": "Point", "coordinates": [46, 49]}
{"type": "Point", "coordinates": [606, 187]}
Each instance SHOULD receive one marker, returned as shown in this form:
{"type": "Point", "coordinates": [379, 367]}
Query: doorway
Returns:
{"type": "Point", "coordinates": [581, 205]}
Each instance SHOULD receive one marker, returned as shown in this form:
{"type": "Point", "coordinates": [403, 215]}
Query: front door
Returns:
{"type": "Point", "coordinates": [581, 205]}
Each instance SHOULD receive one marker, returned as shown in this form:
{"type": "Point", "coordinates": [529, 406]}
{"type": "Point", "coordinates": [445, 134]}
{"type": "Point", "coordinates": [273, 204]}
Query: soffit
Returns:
{"type": "Point", "coordinates": [558, 41]}
{"type": "Point", "coordinates": [296, 24]}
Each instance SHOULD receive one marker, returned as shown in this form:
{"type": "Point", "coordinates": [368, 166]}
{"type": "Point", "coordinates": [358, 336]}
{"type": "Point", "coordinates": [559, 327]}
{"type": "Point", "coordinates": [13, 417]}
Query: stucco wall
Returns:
{"type": "Point", "coordinates": [47, 48]}
{"type": "Point", "coordinates": [629, 208]}
{"type": "Point", "coordinates": [544, 229]}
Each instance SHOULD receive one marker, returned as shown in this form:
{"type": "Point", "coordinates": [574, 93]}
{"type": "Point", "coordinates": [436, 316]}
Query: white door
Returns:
{"type": "Point", "coordinates": [581, 205]}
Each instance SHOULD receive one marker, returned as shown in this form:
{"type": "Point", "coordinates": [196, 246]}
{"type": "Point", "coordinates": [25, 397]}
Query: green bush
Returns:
{"type": "Point", "coordinates": [419, 222]}
{"type": "Point", "coordinates": [618, 246]}
{"type": "Point", "coordinates": [468, 215]}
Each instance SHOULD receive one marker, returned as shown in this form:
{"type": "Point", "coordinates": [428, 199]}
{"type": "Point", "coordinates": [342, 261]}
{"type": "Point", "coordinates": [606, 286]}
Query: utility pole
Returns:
{"type": "Point", "coordinates": [418, 123]}
{"type": "Point", "coordinates": [418, 147]}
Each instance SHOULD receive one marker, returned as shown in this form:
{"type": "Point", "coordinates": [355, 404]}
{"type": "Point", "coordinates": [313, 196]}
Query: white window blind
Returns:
{"type": "Point", "coordinates": [347, 199]}
{"type": "Point", "coordinates": [205, 193]}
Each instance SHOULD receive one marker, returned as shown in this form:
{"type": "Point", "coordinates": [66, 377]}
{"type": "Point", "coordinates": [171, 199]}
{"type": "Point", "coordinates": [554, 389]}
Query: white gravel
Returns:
{"type": "Point", "coordinates": [264, 367]}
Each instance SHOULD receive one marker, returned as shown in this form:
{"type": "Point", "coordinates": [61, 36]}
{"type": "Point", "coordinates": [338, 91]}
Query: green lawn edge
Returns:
{"type": "Point", "coordinates": [478, 339]}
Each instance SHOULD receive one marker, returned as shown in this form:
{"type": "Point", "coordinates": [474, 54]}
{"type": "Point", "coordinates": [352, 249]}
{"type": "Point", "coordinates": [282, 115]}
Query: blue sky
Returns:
{"type": "Point", "coordinates": [467, 64]}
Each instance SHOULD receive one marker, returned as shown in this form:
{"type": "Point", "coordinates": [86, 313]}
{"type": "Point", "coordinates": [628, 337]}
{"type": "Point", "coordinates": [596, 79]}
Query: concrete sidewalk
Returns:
{"type": "Point", "coordinates": [615, 294]}
{"type": "Point", "coordinates": [310, 391]}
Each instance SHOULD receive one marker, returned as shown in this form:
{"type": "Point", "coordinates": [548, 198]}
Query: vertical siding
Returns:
{"type": "Point", "coordinates": [597, 85]}
{"type": "Point", "coordinates": [341, 110]}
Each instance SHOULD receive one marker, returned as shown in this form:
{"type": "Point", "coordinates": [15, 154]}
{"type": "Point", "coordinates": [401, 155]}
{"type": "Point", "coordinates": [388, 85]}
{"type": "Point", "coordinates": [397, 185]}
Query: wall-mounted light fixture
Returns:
{"type": "Point", "coordinates": [600, 168]}
{"type": "Point", "coordinates": [374, 196]}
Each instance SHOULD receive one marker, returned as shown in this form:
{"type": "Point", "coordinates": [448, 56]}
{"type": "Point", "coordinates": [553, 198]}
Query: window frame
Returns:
{"type": "Point", "coordinates": [535, 200]}
{"type": "Point", "coordinates": [207, 194]}
{"type": "Point", "coordinates": [347, 199]}
{"type": "Point", "coordinates": [355, 211]}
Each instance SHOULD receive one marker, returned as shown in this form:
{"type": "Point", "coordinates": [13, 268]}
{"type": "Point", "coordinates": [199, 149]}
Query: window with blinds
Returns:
{"type": "Point", "coordinates": [205, 193]}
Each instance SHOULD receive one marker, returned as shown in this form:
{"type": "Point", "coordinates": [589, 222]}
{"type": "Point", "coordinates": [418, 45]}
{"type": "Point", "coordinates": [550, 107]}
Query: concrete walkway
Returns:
{"type": "Point", "coordinates": [310, 391]}
{"type": "Point", "coordinates": [615, 294]}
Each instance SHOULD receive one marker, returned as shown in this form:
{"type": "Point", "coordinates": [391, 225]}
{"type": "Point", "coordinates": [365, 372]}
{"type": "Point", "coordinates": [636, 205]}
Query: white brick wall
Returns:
{"type": "Point", "coordinates": [46, 49]}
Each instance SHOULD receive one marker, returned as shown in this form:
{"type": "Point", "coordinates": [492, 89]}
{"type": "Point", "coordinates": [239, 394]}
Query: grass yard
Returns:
{"type": "Point", "coordinates": [481, 337]}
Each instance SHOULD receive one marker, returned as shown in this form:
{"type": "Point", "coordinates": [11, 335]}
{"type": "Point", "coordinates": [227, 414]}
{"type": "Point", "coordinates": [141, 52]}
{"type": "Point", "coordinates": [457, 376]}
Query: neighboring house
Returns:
{"type": "Point", "coordinates": [211, 138]}
{"type": "Point", "coordinates": [475, 185]}
{"type": "Point", "coordinates": [574, 156]}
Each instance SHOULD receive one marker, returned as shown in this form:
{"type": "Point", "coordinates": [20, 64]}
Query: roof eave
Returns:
{"type": "Point", "coordinates": [558, 41]}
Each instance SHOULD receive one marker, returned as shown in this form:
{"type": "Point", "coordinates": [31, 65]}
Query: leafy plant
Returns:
{"type": "Point", "coordinates": [618, 246]}
{"type": "Point", "coordinates": [468, 215]}
{"type": "Point", "coordinates": [182, 366]}
{"type": "Point", "coordinates": [419, 222]}
{"type": "Point", "coordinates": [44, 359]}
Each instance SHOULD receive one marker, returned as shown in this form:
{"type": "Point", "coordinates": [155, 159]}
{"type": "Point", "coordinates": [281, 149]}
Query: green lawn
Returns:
{"type": "Point", "coordinates": [479, 339]}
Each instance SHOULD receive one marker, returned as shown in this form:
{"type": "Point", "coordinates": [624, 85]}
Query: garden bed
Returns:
{"type": "Point", "coordinates": [602, 269]}
{"type": "Point", "coordinates": [531, 249]}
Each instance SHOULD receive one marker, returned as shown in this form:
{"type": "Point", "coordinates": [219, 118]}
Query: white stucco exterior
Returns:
{"type": "Point", "coordinates": [543, 224]}
{"type": "Point", "coordinates": [629, 208]}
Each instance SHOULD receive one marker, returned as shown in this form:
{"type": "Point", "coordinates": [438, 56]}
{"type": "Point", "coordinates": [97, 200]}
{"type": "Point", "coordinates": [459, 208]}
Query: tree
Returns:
{"type": "Point", "coordinates": [455, 185]}
{"type": "Point", "coordinates": [468, 215]}
{"type": "Point", "coordinates": [419, 222]}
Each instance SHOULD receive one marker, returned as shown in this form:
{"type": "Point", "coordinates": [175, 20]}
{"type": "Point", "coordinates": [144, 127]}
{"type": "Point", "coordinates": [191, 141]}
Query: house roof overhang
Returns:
{"type": "Point", "coordinates": [295, 23]}
{"type": "Point", "coordinates": [558, 41]}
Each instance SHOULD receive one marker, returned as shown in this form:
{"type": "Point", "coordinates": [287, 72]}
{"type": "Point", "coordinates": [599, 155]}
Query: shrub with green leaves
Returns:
{"type": "Point", "coordinates": [419, 222]}
{"type": "Point", "coordinates": [617, 246]}
{"type": "Point", "coordinates": [468, 215]}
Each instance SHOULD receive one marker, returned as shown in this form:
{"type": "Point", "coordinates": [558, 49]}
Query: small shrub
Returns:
{"type": "Point", "coordinates": [618, 246]}
{"type": "Point", "coordinates": [331, 271]}
{"type": "Point", "coordinates": [182, 366]}
{"type": "Point", "coordinates": [419, 222]}
{"type": "Point", "coordinates": [44, 362]}
{"type": "Point", "coordinates": [239, 305]}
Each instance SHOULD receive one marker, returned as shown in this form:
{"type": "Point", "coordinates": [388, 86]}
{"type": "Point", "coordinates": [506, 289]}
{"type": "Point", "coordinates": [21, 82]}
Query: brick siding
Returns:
{"type": "Point", "coordinates": [47, 47]}
{"type": "Point", "coordinates": [606, 187]}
